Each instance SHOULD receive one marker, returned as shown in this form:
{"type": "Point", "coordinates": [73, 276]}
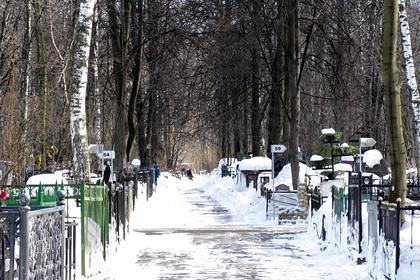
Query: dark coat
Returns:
{"type": "Point", "coordinates": [107, 174]}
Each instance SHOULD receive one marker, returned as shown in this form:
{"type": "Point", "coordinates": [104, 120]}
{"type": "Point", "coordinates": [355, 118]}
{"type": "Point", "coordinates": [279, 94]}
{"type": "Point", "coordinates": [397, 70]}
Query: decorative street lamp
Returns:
{"type": "Point", "coordinates": [328, 135]}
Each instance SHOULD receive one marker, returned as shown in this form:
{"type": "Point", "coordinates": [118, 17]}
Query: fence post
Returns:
{"type": "Point", "coordinates": [83, 228]}
{"type": "Point", "coordinates": [397, 249]}
{"type": "Point", "coordinates": [380, 215]}
{"type": "Point", "coordinates": [24, 238]}
{"type": "Point", "coordinates": [60, 202]}
{"type": "Point", "coordinates": [359, 211]}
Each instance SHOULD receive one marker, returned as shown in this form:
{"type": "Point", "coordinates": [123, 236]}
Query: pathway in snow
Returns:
{"type": "Point", "coordinates": [183, 233]}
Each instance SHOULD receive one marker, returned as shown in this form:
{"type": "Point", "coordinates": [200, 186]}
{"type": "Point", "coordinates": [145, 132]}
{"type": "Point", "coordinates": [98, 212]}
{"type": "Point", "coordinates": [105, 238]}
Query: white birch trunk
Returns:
{"type": "Point", "coordinates": [97, 96]}
{"type": "Point", "coordinates": [410, 73]}
{"type": "Point", "coordinates": [26, 54]}
{"type": "Point", "coordinates": [78, 126]}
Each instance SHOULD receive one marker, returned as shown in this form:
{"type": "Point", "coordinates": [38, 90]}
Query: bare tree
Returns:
{"type": "Point", "coordinates": [79, 86]}
{"type": "Point", "coordinates": [392, 99]}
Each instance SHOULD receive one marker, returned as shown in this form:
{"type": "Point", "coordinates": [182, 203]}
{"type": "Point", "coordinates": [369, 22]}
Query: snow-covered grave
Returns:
{"type": "Point", "coordinates": [250, 171]}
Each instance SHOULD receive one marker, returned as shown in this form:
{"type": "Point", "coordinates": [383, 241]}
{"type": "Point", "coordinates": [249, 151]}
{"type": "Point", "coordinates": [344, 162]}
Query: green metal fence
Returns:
{"type": "Point", "coordinates": [40, 195]}
{"type": "Point", "coordinates": [94, 218]}
{"type": "Point", "coordinates": [94, 224]}
{"type": "Point", "coordinates": [339, 201]}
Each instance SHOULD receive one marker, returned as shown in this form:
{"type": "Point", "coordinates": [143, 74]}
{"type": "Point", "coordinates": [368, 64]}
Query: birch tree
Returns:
{"type": "Point", "coordinates": [78, 127]}
{"type": "Point", "coordinates": [397, 150]}
{"type": "Point", "coordinates": [24, 82]}
{"type": "Point", "coordinates": [410, 74]}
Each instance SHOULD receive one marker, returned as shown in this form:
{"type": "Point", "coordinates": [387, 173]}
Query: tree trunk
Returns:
{"type": "Point", "coordinates": [78, 98]}
{"type": "Point", "coordinates": [293, 31]}
{"type": "Point", "coordinates": [42, 82]}
{"type": "Point", "coordinates": [285, 131]}
{"type": "Point", "coordinates": [245, 122]}
{"type": "Point", "coordinates": [137, 38]}
{"type": "Point", "coordinates": [141, 131]}
{"type": "Point", "coordinates": [119, 34]}
{"type": "Point", "coordinates": [396, 144]}
{"type": "Point", "coordinates": [96, 100]}
{"type": "Point", "coordinates": [275, 109]}
{"type": "Point", "coordinates": [24, 82]}
{"type": "Point", "coordinates": [410, 75]}
{"type": "Point", "coordinates": [255, 105]}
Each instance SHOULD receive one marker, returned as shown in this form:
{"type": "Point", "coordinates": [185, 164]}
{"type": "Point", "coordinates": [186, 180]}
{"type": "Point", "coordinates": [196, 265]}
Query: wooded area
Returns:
{"type": "Point", "coordinates": [173, 81]}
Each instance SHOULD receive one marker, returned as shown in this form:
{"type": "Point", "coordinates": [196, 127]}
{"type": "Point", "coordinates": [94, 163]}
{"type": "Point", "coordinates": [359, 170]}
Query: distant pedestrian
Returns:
{"type": "Point", "coordinates": [189, 174]}
{"type": "Point", "coordinates": [107, 173]}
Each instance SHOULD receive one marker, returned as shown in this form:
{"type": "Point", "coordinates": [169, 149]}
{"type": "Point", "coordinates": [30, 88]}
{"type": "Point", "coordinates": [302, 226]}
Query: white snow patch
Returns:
{"type": "Point", "coordinates": [255, 164]}
{"type": "Point", "coordinates": [372, 157]}
{"type": "Point", "coordinates": [316, 158]}
{"type": "Point", "coordinates": [46, 179]}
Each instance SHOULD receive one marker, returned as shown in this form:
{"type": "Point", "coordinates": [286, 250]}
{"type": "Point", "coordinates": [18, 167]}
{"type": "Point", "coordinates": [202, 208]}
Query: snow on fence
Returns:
{"type": "Point", "coordinates": [39, 241]}
{"type": "Point", "coordinates": [101, 209]}
{"type": "Point", "coordinates": [378, 238]}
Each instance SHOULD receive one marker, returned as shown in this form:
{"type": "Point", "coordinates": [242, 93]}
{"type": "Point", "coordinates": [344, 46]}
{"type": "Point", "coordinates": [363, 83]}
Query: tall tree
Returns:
{"type": "Point", "coordinates": [292, 71]}
{"type": "Point", "coordinates": [24, 83]}
{"type": "Point", "coordinates": [137, 50]}
{"type": "Point", "coordinates": [276, 110]}
{"type": "Point", "coordinates": [255, 81]}
{"type": "Point", "coordinates": [78, 126]}
{"type": "Point", "coordinates": [119, 27]}
{"type": "Point", "coordinates": [397, 150]}
{"type": "Point", "coordinates": [42, 80]}
{"type": "Point", "coordinates": [410, 75]}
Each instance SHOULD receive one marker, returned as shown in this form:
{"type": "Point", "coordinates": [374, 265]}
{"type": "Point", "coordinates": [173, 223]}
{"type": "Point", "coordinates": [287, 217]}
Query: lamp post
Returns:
{"type": "Point", "coordinates": [328, 134]}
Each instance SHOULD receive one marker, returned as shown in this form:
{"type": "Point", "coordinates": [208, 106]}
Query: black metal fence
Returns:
{"type": "Point", "coordinates": [384, 219]}
{"type": "Point", "coordinates": [70, 253]}
{"type": "Point", "coordinates": [118, 198]}
{"type": "Point", "coordinates": [315, 199]}
{"type": "Point", "coordinates": [27, 231]}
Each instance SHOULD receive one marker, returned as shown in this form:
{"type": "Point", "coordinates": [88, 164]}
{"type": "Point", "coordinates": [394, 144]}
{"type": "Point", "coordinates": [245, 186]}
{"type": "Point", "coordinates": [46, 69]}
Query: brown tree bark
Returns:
{"type": "Point", "coordinates": [397, 150]}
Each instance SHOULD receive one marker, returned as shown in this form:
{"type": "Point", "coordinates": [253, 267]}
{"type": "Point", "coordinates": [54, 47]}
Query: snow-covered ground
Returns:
{"type": "Point", "coordinates": [164, 243]}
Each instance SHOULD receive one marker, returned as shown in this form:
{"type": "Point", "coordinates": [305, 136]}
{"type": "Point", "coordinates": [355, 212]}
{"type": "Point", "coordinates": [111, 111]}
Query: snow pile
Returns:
{"type": "Point", "coordinates": [328, 131]}
{"type": "Point", "coordinates": [46, 179]}
{"type": "Point", "coordinates": [316, 158]}
{"type": "Point", "coordinates": [246, 205]}
{"type": "Point", "coordinates": [344, 167]}
{"type": "Point", "coordinates": [372, 158]}
{"type": "Point", "coordinates": [339, 234]}
{"type": "Point", "coordinates": [285, 176]}
{"type": "Point", "coordinates": [255, 164]}
{"type": "Point", "coordinates": [225, 161]}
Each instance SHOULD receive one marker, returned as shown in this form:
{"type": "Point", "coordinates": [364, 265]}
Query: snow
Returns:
{"type": "Point", "coordinates": [316, 158]}
{"type": "Point", "coordinates": [168, 208]}
{"type": "Point", "coordinates": [46, 179]}
{"type": "Point", "coordinates": [372, 157]}
{"type": "Point", "coordinates": [347, 158]}
{"type": "Point", "coordinates": [328, 131]}
{"type": "Point", "coordinates": [255, 164]}
{"type": "Point", "coordinates": [285, 176]}
{"type": "Point", "coordinates": [136, 162]}
{"type": "Point", "coordinates": [344, 145]}
{"type": "Point", "coordinates": [225, 161]}
{"type": "Point", "coordinates": [345, 167]}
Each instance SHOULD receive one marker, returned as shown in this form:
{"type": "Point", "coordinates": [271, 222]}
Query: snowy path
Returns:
{"type": "Point", "coordinates": [183, 233]}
